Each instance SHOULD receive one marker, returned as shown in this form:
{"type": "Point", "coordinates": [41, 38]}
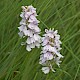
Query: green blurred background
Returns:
{"type": "Point", "coordinates": [18, 64]}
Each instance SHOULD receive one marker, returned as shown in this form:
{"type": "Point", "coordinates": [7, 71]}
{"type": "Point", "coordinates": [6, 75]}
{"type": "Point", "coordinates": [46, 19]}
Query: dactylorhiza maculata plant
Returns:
{"type": "Point", "coordinates": [50, 53]}
{"type": "Point", "coordinates": [29, 28]}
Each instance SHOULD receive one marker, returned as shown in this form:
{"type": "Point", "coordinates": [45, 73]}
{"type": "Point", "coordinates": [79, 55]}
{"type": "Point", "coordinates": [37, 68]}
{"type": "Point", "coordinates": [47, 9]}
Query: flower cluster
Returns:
{"type": "Point", "coordinates": [50, 54]}
{"type": "Point", "coordinates": [29, 27]}
{"type": "Point", "coordinates": [50, 51]}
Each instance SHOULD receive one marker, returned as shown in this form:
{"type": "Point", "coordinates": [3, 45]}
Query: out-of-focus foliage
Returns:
{"type": "Point", "coordinates": [18, 64]}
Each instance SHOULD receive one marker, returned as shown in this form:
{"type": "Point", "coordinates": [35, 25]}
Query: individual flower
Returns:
{"type": "Point", "coordinates": [29, 28]}
{"type": "Point", "coordinates": [50, 53]}
{"type": "Point", "coordinates": [45, 69]}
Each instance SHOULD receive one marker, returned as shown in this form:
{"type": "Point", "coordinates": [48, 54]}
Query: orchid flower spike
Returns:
{"type": "Point", "coordinates": [29, 28]}
{"type": "Point", "coordinates": [50, 53]}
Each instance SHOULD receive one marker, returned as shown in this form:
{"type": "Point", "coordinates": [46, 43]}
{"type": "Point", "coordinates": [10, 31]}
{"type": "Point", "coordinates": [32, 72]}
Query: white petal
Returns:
{"type": "Point", "coordinates": [24, 9]}
{"type": "Point", "coordinates": [25, 32]}
{"type": "Point", "coordinates": [45, 70]}
{"type": "Point", "coordinates": [28, 40]}
{"type": "Point", "coordinates": [20, 34]}
{"type": "Point", "coordinates": [30, 20]}
{"type": "Point", "coordinates": [27, 15]}
{"type": "Point", "coordinates": [47, 47]}
{"type": "Point", "coordinates": [33, 21]}
{"type": "Point", "coordinates": [36, 37]}
{"type": "Point", "coordinates": [22, 15]}
{"type": "Point", "coordinates": [33, 10]}
{"type": "Point", "coordinates": [31, 26]}
{"type": "Point", "coordinates": [48, 55]}
{"type": "Point", "coordinates": [23, 22]}
{"type": "Point", "coordinates": [21, 28]}
{"type": "Point", "coordinates": [57, 60]}
{"type": "Point", "coordinates": [32, 45]}
{"type": "Point", "coordinates": [56, 31]}
{"type": "Point", "coordinates": [37, 29]}
{"type": "Point", "coordinates": [31, 7]}
{"type": "Point", "coordinates": [32, 40]}
{"type": "Point", "coordinates": [50, 35]}
{"type": "Point", "coordinates": [28, 48]}
{"type": "Point", "coordinates": [37, 44]}
{"type": "Point", "coordinates": [34, 27]}
{"type": "Point", "coordinates": [33, 17]}
{"type": "Point", "coordinates": [43, 51]}
{"type": "Point", "coordinates": [45, 42]}
{"type": "Point", "coordinates": [42, 59]}
{"type": "Point", "coordinates": [28, 33]}
{"type": "Point", "coordinates": [57, 53]}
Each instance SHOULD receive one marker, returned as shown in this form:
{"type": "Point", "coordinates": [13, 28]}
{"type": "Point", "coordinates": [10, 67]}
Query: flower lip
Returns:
{"type": "Point", "coordinates": [46, 70]}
